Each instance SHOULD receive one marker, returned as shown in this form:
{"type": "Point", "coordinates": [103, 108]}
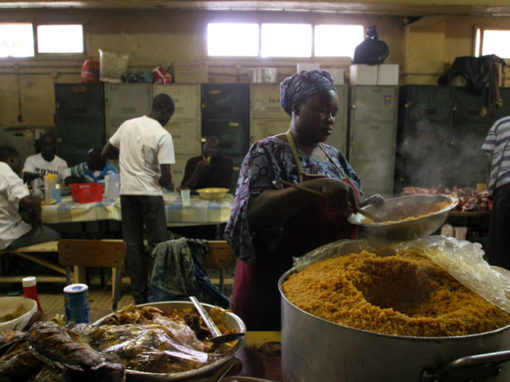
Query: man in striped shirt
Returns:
{"type": "Point", "coordinates": [497, 144]}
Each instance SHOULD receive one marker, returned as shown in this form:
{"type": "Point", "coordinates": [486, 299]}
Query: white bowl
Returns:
{"type": "Point", "coordinates": [9, 305]}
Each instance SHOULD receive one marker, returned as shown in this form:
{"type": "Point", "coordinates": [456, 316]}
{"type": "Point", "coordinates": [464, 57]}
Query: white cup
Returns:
{"type": "Point", "coordinates": [185, 196]}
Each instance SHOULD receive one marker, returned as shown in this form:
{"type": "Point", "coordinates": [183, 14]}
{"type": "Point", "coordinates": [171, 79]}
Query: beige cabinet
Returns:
{"type": "Point", "coordinates": [186, 99]}
{"type": "Point", "coordinates": [265, 102]}
{"type": "Point", "coordinates": [261, 128]}
{"type": "Point", "coordinates": [177, 169]}
{"type": "Point", "coordinates": [185, 135]}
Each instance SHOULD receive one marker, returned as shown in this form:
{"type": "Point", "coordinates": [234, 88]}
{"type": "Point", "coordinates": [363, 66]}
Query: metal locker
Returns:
{"type": "Point", "coordinates": [75, 102]}
{"type": "Point", "coordinates": [377, 103]}
{"type": "Point", "coordinates": [338, 137]}
{"type": "Point", "coordinates": [177, 169]}
{"type": "Point", "coordinates": [125, 101]}
{"type": "Point", "coordinates": [225, 101]}
{"type": "Point", "coordinates": [185, 135]}
{"type": "Point", "coordinates": [426, 102]}
{"type": "Point", "coordinates": [228, 122]}
{"type": "Point", "coordinates": [233, 134]}
{"type": "Point", "coordinates": [469, 107]}
{"type": "Point", "coordinates": [503, 109]}
{"type": "Point", "coordinates": [20, 138]}
{"type": "Point", "coordinates": [79, 120]}
{"type": "Point", "coordinates": [372, 138]}
{"type": "Point", "coordinates": [376, 174]}
{"type": "Point", "coordinates": [262, 128]}
{"type": "Point", "coordinates": [185, 97]}
{"type": "Point", "coordinates": [76, 138]}
{"type": "Point", "coordinates": [265, 102]}
{"type": "Point", "coordinates": [470, 165]}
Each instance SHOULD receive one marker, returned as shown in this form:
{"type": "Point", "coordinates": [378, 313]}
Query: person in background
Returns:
{"type": "Point", "coordinates": [15, 198]}
{"type": "Point", "coordinates": [45, 162]}
{"type": "Point", "coordinates": [497, 144]}
{"type": "Point", "coordinates": [146, 151]}
{"type": "Point", "coordinates": [211, 169]}
{"type": "Point", "coordinates": [92, 171]}
{"type": "Point", "coordinates": [270, 224]}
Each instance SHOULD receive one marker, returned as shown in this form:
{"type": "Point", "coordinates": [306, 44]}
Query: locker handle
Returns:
{"type": "Point", "coordinates": [236, 168]}
{"type": "Point", "coordinates": [353, 107]}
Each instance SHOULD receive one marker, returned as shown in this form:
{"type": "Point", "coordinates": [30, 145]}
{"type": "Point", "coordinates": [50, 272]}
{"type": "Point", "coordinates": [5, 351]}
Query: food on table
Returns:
{"type": "Point", "coordinates": [402, 294]}
{"type": "Point", "coordinates": [65, 349]}
{"type": "Point", "coordinates": [146, 339]}
{"type": "Point", "coordinates": [469, 198]}
{"type": "Point", "coordinates": [137, 338]}
{"type": "Point", "coordinates": [410, 212]}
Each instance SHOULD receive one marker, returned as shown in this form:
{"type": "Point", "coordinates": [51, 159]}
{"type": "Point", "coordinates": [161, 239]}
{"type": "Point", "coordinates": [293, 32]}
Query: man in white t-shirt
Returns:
{"type": "Point", "coordinates": [46, 162]}
{"type": "Point", "coordinates": [14, 196]}
{"type": "Point", "coordinates": [146, 151]}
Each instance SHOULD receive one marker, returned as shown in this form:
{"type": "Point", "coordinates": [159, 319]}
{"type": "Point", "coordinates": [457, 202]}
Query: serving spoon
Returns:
{"type": "Point", "coordinates": [366, 214]}
{"type": "Point", "coordinates": [217, 337]}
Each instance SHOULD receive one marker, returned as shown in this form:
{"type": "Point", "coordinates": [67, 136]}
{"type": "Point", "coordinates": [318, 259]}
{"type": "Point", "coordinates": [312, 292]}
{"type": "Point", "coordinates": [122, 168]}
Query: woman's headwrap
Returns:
{"type": "Point", "coordinates": [304, 84]}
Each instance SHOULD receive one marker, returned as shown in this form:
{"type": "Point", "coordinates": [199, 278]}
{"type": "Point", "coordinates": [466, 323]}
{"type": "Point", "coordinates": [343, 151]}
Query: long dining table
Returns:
{"type": "Point", "coordinates": [197, 212]}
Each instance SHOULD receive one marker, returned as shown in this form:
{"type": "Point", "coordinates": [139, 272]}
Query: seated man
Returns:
{"type": "Point", "coordinates": [92, 171]}
{"type": "Point", "coordinates": [211, 169]}
{"type": "Point", "coordinates": [15, 200]}
{"type": "Point", "coordinates": [46, 162]}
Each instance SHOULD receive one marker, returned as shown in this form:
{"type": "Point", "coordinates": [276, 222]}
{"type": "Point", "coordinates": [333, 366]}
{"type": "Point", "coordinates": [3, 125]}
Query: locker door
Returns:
{"type": "Point", "coordinates": [125, 101]}
{"type": "Point", "coordinates": [262, 128]}
{"type": "Point", "coordinates": [338, 137]}
{"type": "Point", "coordinates": [185, 97]}
{"type": "Point", "coordinates": [186, 136]}
{"type": "Point", "coordinates": [265, 102]}
{"type": "Point", "coordinates": [376, 174]}
{"type": "Point", "coordinates": [76, 138]}
{"type": "Point", "coordinates": [79, 119]}
{"type": "Point", "coordinates": [470, 164]}
{"type": "Point", "coordinates": [374, 103]}
{"type": "Point", "coordinates": [79, 102]}
{"type": "Point", "coordinates": [225, 101]}
{"type": "Point", "coordinates": [423, 102]}
{"type": "Point", "coordinates": [470, 108]}
{"type": "Point", "coordinates": [233, 134]}
{"type": "Point", "coordinates": [372, 138]}
{"type": "Point", "coordinates": [177, 169]}
{"type": "Point", "coordinates": [503, 110]}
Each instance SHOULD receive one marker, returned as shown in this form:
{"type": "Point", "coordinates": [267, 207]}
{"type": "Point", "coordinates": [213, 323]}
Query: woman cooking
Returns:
{"type": "Point", "coordinates": [270, 225]}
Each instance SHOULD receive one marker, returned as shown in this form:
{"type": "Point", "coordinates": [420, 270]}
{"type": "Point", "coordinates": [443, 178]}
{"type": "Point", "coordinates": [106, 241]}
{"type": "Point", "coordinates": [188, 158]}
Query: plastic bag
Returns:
{"type": "Point", "coordinates": [461, 259]}
{"type": "Point", "coordinates": [371, 51]}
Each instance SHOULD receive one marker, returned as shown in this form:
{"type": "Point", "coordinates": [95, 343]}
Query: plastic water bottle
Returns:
{"type": "Point", "coordinates": [30, 290]}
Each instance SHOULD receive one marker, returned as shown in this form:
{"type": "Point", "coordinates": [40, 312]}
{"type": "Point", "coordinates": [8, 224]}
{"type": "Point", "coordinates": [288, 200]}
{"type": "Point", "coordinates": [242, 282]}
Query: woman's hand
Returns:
{"type": "Point", "coordinates": [375, 199]}
{"type": "Point", "coordinates": [338, 194]}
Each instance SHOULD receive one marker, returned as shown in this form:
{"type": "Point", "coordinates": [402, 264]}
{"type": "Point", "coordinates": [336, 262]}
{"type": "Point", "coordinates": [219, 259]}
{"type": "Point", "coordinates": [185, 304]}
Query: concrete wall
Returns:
{"type": "Point", "coordinates": [422, 49]}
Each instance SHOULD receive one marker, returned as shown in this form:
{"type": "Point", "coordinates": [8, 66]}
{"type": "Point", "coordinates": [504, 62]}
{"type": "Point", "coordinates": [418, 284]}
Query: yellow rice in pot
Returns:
{"type": "Point", "coordinates": [404, 294]}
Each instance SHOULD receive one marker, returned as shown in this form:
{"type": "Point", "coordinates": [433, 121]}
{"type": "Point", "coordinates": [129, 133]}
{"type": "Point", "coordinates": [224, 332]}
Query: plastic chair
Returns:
{"type": "Point", "coordinates": [93, 253]}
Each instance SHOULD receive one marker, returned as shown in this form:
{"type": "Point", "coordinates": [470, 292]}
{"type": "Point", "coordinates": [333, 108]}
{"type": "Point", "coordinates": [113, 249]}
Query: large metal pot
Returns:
{"type": "Point", "coordinates": [314, 349]}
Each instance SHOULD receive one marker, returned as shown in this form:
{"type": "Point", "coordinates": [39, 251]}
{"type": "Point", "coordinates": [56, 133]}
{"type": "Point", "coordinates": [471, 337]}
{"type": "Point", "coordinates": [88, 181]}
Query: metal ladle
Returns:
{"type": "Point", "coordinates": [217, 337]}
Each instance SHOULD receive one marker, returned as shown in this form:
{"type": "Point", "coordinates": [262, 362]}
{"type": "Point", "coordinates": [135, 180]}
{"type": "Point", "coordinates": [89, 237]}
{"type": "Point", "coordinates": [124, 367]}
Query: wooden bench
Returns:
{"type": "Point", "coordinates": [29, 253]}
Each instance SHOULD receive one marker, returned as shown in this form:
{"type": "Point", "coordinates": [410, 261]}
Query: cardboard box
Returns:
{"type": "Point", "coordinates": [361, 74]}
{"type": "Point", "coordinates": [307, 66]}
{"type": "Point", "coordinates": [191, 72]}
{"type": "Point", "coordinates": [387, 74]}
